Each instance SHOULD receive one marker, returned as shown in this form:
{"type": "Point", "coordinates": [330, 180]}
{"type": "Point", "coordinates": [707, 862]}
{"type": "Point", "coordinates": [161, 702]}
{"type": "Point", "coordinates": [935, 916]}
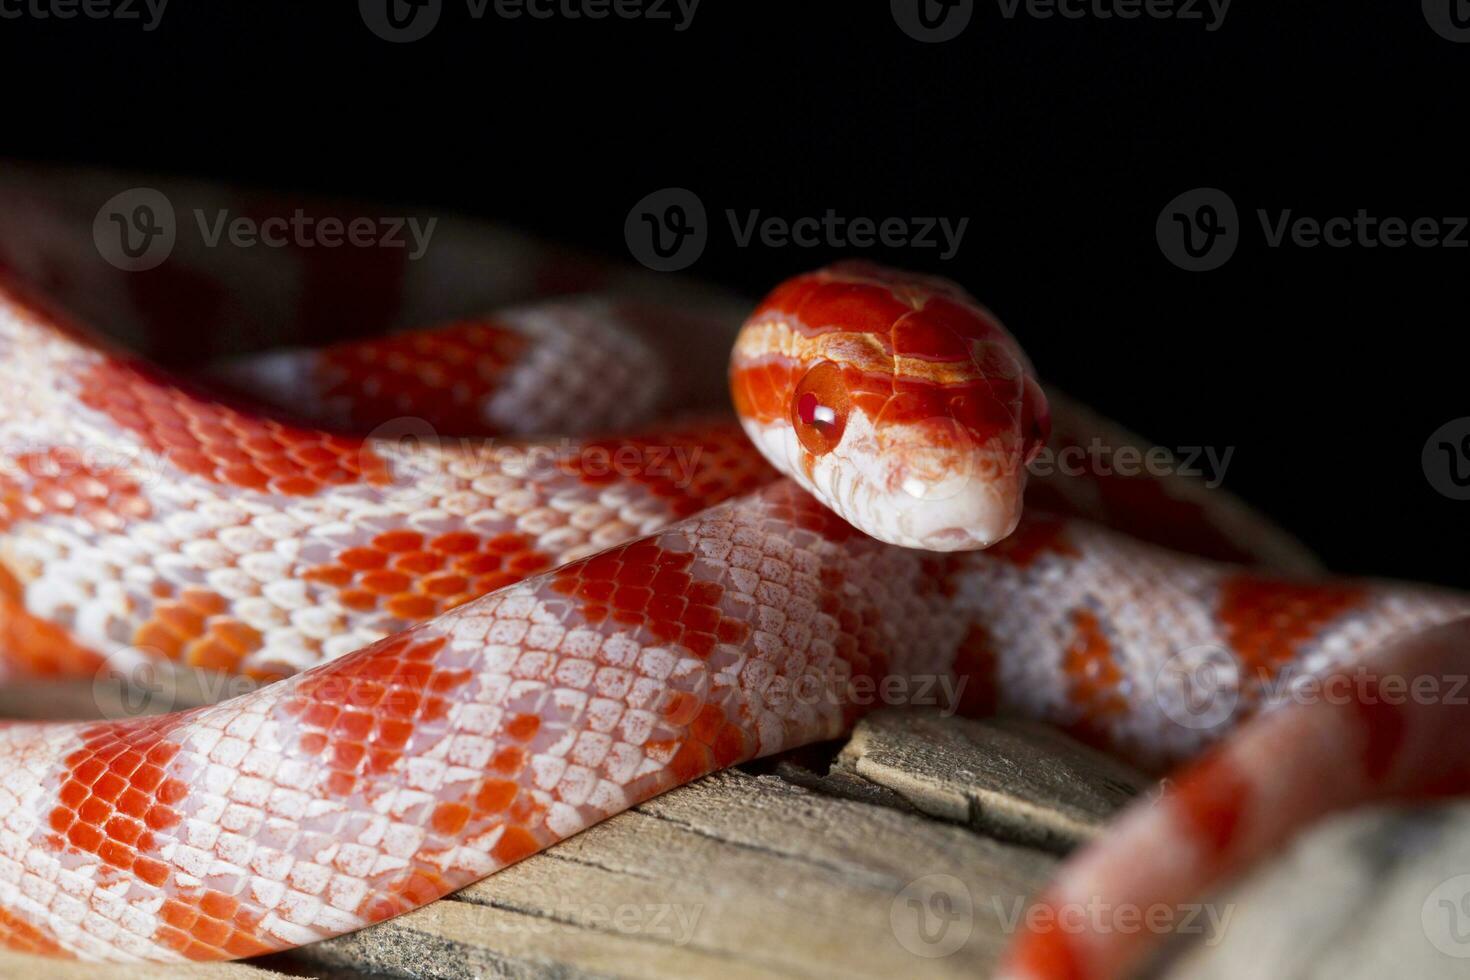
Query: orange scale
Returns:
{"type": "Point", "coordinates": [277, 465]}
{"type": "Point", "coordinates": [150, 871]}
{"type": "Point", "coordinates": [111, 785]}
{"type": "Point", "coordinates": [363, 559]}
{"type": "Point", "coordinates": [631, 599]}
{"type": "Point", "coordinates": [340, 783]}
{"type": "Point", "coordinates": [418, 562]}
{"type": "Point", "coordinates": [312, 454]}
{"type": "Point", "coordinates": [385, 583]}
{"type": "Point", "coordinates": [413, 607]}
{"type": "Point", "coordinates": [445, 585]}
{"type": "Point", "coordinates": [404, 704]}
{"type": "Point", "coordinates": [124, 831]}
{"type": "Point", "coordinates": [479, 564]}
{"type": "Point", "coordinates": [245, 476]}
{"type": "Point", "coordinates": [94, 811]}
{"type": "Point", "coordinates": [666, 607]}
{"type": "Point", "coordinates": [598, 591]}
{"type": "Point", "coordinates": [86, 837]}
{"type": "Point", "coordinates": [397, 541]}
{"type": "Point", "coordinates": [193, 462]}
{"type": "Point", "coordinates": [336, 576]}
{"type": "Point", "coordinates": [529, 563]}
{"type": "Point", "coordinates": [357, 600]}
{"type": "Point", "coordinates": [449, 818]}
{"type": "Point", "coordinates": [146, 780]}
{"type": "Point", "coordinates": [486, 584]}
{"type": "Point", "coordinates": [456, 543]}
{"type": "Point", "coordinates": [296, 486]}
{"type": "Point", "coordinates": [699, 644]}
{"type": "Point", "coordinates": [393, 734]}
{"type": "Point", "coordinates": [702, 618]}
{"type": "Point", "coordinates": [115, 853]}
{"type": "Point", "coordinates": [705, 593]}
{"type": "Point", "coordinates": [669, 582]}
{"type": "Point", "coordinates": [333, 475]}
{"type": "Point", "coordinates": [667, 630]}
{"type": "Point", "coordinates": [508, 761]}
{"type": "Point", "coordinates": [507, 544]}
{"type": "Point", "coordinates": [732, 631]}
{"type": "Point", "coordinates": [72, 793]}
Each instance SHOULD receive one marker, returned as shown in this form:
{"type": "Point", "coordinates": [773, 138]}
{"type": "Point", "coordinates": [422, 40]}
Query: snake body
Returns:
{"type": "Point", "coordinates": [481, 648]}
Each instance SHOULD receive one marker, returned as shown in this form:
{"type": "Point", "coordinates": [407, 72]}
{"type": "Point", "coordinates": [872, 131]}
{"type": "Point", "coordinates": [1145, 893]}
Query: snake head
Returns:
{"type": "Point", "coordinates": [895, 399]}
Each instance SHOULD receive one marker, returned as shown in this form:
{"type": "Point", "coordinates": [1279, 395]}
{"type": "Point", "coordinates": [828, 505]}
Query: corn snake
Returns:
{"type": "Point", "coordinates": [654, 606]}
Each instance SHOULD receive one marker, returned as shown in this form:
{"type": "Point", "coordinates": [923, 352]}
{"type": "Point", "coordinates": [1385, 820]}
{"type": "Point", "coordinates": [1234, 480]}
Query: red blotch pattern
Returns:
{"type": "Point", "coordinates": [644, 585]}
{"type": "Point", "coordinates": [34, 646]}
{"type": "Point", "coordinates": [690, 468]}
{"type": "Point", "coordinates": [211, 440]}
{"type": "Point", "coordinates": [59, 481]}
{"type": "Point", "coordinates": [1267, 620]}
{"type": "Point", "coordinates": [1093, 678]}
{"type": "Point", "coordinates": [415, 576]}
{"type": "Point", "coordinates": [115, 793]}
{"type": "Point", "coordinates": [359, 716]}
{"type": "Point", "coordinates": [195, 628]}
{"type": "Point", "coordinates": [443, 375]}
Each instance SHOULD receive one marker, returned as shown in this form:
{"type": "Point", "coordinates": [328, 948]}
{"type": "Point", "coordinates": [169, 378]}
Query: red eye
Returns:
{"type": "Point", "coordinates": [819, 408]}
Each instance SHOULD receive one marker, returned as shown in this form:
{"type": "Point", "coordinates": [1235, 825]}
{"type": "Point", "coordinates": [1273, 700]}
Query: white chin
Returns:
{"type": "Point", "coordinates": [966, 522]}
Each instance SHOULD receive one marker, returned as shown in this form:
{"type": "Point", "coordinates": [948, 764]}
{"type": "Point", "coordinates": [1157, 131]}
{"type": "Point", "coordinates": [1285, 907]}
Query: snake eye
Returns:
{"type": "Point", "coordinates": [819, 408]}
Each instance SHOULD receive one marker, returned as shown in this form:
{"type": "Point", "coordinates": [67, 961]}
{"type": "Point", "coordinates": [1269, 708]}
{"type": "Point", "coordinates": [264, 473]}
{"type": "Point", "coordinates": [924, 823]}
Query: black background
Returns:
{"type": "Point", "coordinates": [1326, 369]}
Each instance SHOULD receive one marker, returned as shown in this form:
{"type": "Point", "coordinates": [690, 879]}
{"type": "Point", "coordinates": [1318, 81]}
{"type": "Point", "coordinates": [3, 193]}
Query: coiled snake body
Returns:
{"type": "Point", "coordinates": [481, 648]}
